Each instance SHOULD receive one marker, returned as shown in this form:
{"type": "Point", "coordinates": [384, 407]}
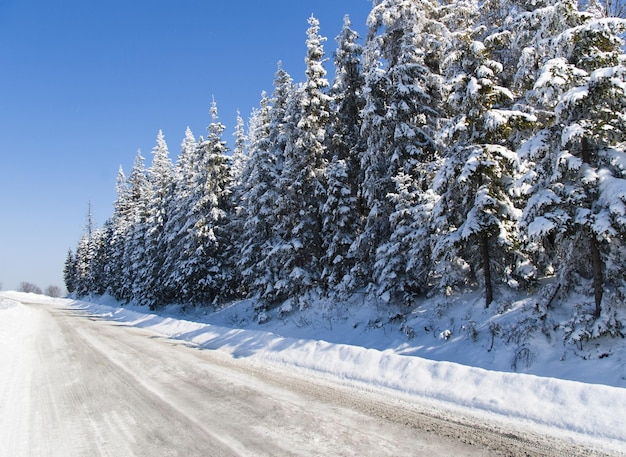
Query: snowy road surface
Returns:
{"type": "Point", "coordinates": [77, 385]}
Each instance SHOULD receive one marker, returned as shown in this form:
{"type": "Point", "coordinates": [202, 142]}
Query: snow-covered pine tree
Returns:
{"type": "Point", "coordinates": [401, 149]}
{"type": "Point", "coordinates": [525, 32]}
{"type": "Point", "coordinates": [134, 253]}
{"type": "Point", "coordinates": [161, 181]}
{"type": "Point", "coordinates": [545, 76]}
{"type": "Point", "coordinates": [261, 191]}
{"type": "Point", "coordinates": [341, 213]}
{"type": "Point", "coordinates": [340, 224]}
{"type": "Point", "coordinates": [88, 264]}
{"type": "Point", "coordinates": [403, 266]}
{"type": "Point", "coordinates": [476, 216]}
{"type": "Point", "coordinates": [577, 201]}
{"type": "Point", "coordinates": [101, 248]}
{"type": "Point", "coordinates": [258, 196]}
{"type": "Point", "coordinates": [234, 226]}
{"type": "Point", "coordinates": [530, 27]}
{"type": "Point", "coordinates": [202, 261]}
{"type": "Point", "coordinates": [178, 224]}
{"type": "Point", "coordinates": [69, 271]}
{"type": "Point", "coordinates": [82, 263]}
{"type": "Point", "coordinates": [239, 156]}
{"type": "Point", "coordinates": [119, 232]}
{"type": "Point", "coordinates": [90, 260]}
{"type": "Point", "coordinates": [283, 93]}
{"type": "Point", "coordinates": [374, 166]}
{"type": "Point", "coordinates": [347, 100]}
{"type": "Point", "coordinates": [297, 256]}
{"type": "Point", "coordinates": [269, 266]}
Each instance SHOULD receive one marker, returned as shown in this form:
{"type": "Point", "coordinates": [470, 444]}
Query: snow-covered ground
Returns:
{"type": "Point", "coordinates": [450, 367]}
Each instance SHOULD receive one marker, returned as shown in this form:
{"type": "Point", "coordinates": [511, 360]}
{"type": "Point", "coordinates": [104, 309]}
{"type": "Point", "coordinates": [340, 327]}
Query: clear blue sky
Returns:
{"type": "Point", "coordinates": [85, 84]}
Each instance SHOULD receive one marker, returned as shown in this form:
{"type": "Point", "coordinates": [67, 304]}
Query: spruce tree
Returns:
{"type": "Point", "coordinates": [120, 226]}
{"type": "Point", "coordinates": [476, 216]}
{"type": "Point", "coordinates": [134, 253]}
{"type": "Point", "coordinates": [401, 118]}
{"type": "Point", "coordinates": [202, 253]}
{"type": "Point", "coordinates": [577, 200]}
{"type": "Point", "coordinates": [258, 196]}
{"type": "Point", "coordinates": [375, 182]}
{"type": "Point", "coordinates": [262, 276]}
{"type": "Point", "coordinates": [69, 271]}
{"type": "Point", "coordinates": [178, 225]}
{"type": "Point", "coordinates": [101, 251]}
{"type": "Point", "coordinates": [161, 181]}
{"type": "Point", "coordinates": [83, 259]}
{"type": "Point", "coordinates": [302, 184]}
{"type": "Point", "coordinates": [239, 156]}
{"type": "Point", "coordinates": [342, 213]}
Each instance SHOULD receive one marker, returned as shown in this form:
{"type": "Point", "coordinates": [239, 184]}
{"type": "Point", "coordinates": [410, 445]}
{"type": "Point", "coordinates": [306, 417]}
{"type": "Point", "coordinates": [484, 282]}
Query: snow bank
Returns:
{"type": "Point", "coordinates": [17, 327]}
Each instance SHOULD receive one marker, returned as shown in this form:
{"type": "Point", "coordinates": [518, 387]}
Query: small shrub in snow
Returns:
{"type": "Point", "coordinates": [584, 326]}
{"type": "Point", "coordinates": [302, 321]}
{"type": "Point", "coordinates": [545, 297]}
{"type": "Point", "coordinates": [397, 317]}
{"type": "Point", "coordinates": [445, 335]}
{"type": "Point", "coordinates": [408, 331]}
{"type": "Point", "coordinates": [523, 358]}
{"type": "Point", "coordinates": [494, 330]}
{"type": "Point", "coordinates": [520, 332]}
{"type": "Point", "coordinates": [231, 319]}
{"type": "Point", "coordinates": [504, 306]}
{"type": "Point", "coordinates": [440, 310]}
{"type": "Point", "coordinates": [262, 317]}
{"type": "Point", "coordinates": [470, 330]}
{"type": "Point", "coordinates": [285, 308]}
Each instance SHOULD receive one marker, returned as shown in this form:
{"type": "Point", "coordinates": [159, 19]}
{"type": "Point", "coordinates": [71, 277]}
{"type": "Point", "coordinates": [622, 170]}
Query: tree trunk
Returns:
{"type": "Point", "coordinates": [596, 263]}
{"type": "Point", "coordinates": [484, 245]}
{"type": "Point", "coordinates": [596, 260]}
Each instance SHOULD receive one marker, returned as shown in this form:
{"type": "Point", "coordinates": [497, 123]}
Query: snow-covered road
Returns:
{"type": "Point", "coordinates": [85, 387]}
{"type": "Point", "coordinates": [74, 384]}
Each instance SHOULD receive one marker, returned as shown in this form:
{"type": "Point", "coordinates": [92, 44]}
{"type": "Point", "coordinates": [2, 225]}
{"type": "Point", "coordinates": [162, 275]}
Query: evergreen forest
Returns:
{"type": "Point", "coordinates": [460, 146]}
